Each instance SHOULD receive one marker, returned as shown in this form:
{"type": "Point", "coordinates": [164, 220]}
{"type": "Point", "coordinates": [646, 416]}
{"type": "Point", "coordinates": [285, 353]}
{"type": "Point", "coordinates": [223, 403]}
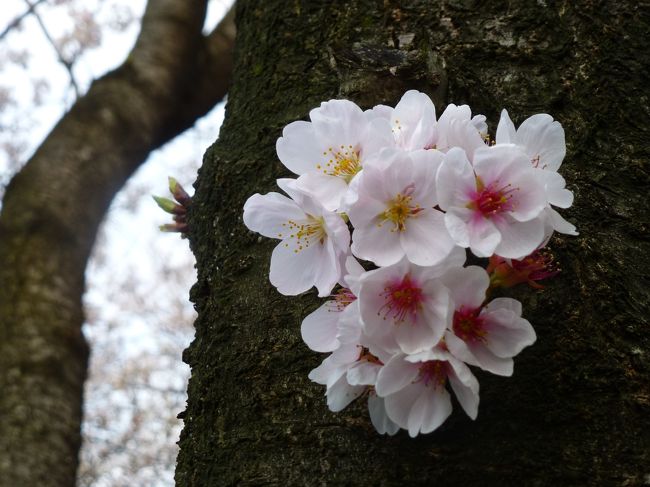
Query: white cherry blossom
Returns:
{"type": "Point", "coordinates": [406, 307]}
{"type": "Point", "coordinates": [493, 205]}
{"type": "Point", "coordinates": [486, 336]}
{"type": "Point", "coordinates": [415, 393]}
{"type": "Point", "coordinates": [314, 241]}
{"type": "Point", "coordinates": [394, 214]}
{"type": "Point", "coordinates": [328, 152]}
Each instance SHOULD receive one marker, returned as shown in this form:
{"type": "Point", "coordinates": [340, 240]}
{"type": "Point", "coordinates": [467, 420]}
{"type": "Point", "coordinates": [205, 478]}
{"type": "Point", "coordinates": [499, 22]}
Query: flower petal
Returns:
{"type": "Point", "coordinates": [267, 214]}
{"type": "Point", "coordinates": [508, 334]}
{"type": "Point", "coordinates": [455, 179]}
{"type": "Point", "coordinates": [465, 386]}
{"type": "Point", "coordinates": [377, 244]}
{"type": "Point", "coordinates": [467, 286]}
{"type": "Point", "coordinates": [363, 373]}
{"type": "Point", "coordinates": [429, 411]}
{"type": "Point", "coordinates": [519, 239]}
{"type": "Point", "coordinates": [295, 272]}
{"type": "Point", "coordinates": [543, 138]}
{"type": "Point", "coordinates": [395, 375]}
{"type": "Point", "coordinates": [341, 394]}
{"type": "Point", "coordinates": [319, 328]}
{"type": "Point", "coordinates": [380, 420]}
{"type": "Point", "coordinates": [558, 223]}
{"type": "Point", "coordinates": [327, 190]}
{"type": "Point", "coordinates": [426, 241]}
{"type": "Point", "coordinates": [506, 132]}
{"type": "Point", "coordinates": [298, 148]}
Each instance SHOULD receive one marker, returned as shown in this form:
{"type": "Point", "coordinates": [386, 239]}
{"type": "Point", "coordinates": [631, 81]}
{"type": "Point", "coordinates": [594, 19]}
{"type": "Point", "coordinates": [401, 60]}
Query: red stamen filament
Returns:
{"type": "Point", "coordinates": [490, 200]}
{"type": "Point", "coordinates": [403, 300]}
{"type": "Point", "coordinates": [468, 325]}
{"type": "Point", "coordinates": [433, 372]}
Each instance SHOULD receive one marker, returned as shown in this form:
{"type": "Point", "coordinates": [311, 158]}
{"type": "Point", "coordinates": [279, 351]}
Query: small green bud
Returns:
{"type": "Point", "coordinates": [168, 205]}
{"type": "Point", "coordinates": [179, 192]}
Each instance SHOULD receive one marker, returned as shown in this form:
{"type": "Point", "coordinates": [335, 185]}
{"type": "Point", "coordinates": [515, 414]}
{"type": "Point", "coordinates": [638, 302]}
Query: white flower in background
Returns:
{"type": "Point", "coordinates": [539, 136]}
{"type": "Point", "coordinates": [415, 393]}
{"type": "Point", "coordinates": [414, 125]}
{"type": "Point", "coordinates": [314, 241]}
{"type": "Point", "coordinates": [394, 213]}
{"type": "Point", "coordinates": [407, 306]}
{"type": "Point", "coordinates": [495, 205]}
{"type": "Point", "coordinates": [336, 321]}
{"type": "Point", "coordinates": [412, 121]}
{"type": "Point", "coordinates": [328, 152]}
{"type": "Point", "coordinates": [457, 128]}
{"type": "Point", "coordinates": [542, 139]}
{"type": "Point", "coordinates": [485, 336]}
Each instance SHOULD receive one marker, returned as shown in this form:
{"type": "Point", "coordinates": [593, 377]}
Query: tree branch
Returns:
{"type": "Point", "coordinates": [67, 64]}
{"type": "Point", "coordinates": [51, 212]}
{"type": "Point", "coordinates": [18, 20]}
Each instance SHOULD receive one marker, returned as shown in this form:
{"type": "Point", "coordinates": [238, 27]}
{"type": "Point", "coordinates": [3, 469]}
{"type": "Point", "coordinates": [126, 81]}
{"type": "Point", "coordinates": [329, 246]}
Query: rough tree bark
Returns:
{"type": "Point", "coordinates": [576, 411]}
{"type": "Point", "coordinates": [50, 215]}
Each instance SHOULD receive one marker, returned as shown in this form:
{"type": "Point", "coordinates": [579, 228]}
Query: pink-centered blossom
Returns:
{"type": "Point", "coordinates": [485, 335]}
{"type": "Point", "coordinates": [394, 214]}
{"type": "Point", "coordinates": [495, 205]}
{"type": "Point", "coordinates": [314, 241]}
{"type": "Point", "coordinates": [328, 152]}
{"type": "Point", "coordinates": [415, 393]}
{"type": "Point", "coordinates": [405, 307]}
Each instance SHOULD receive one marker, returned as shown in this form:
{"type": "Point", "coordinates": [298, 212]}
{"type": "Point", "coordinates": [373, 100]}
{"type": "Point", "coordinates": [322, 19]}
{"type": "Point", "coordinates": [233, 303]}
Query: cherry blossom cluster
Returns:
{"type": "Point", "coordinates": [385, 204]}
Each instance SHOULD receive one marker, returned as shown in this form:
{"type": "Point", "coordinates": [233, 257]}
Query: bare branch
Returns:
{"type": "Point", "coordinates": [17, 21]}
{"type": "Point", "coordinates": [67, 64]}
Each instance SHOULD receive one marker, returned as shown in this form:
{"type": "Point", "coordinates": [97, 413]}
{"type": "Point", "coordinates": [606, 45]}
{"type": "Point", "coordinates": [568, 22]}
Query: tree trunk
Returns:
{"type": "Point", "coordinates": [576, 411]}
{"type": "Point", "coordinates": [50, 215]}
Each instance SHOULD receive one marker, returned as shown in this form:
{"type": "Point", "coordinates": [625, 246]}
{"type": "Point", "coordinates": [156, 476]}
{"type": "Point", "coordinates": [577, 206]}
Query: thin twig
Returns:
{"type": "Point", "coordinates": [67, 64]}
{"type": "Point", "coordinates": [16, 22]}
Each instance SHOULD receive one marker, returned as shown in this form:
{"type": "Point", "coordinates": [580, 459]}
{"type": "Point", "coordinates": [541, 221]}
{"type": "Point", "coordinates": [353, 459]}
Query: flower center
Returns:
{"type": "Point", "coordinates": [433, 372]}
{"type": "Point", "coordinates": [403, 300]}
{"type": "Point", "coordinates": [343, 163]}
{"type": "Point", "coordinates": [342, 299]}
{"type": "Point", "coordinates": [305, 232]}
{"type": "Point", "coordinates": [491, 200]}
{"type": "Point", "coordinates": [365, 354]}
{"type": "Point", "coordinates": [469, 326]}
{"type": "Point", "coordinates": [399, 209]}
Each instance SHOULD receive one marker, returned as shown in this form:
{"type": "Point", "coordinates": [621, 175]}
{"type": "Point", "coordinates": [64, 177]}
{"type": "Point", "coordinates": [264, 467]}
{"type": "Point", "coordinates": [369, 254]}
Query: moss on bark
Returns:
{"type": "Point", "coordinates": [576, 410]}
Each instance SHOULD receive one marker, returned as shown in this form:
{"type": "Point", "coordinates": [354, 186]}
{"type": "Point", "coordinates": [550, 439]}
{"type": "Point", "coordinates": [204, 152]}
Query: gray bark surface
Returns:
{"type": "Point", "coordinates": [577, 410]}
{"type": "Point", "coordinates": [50, 215]}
